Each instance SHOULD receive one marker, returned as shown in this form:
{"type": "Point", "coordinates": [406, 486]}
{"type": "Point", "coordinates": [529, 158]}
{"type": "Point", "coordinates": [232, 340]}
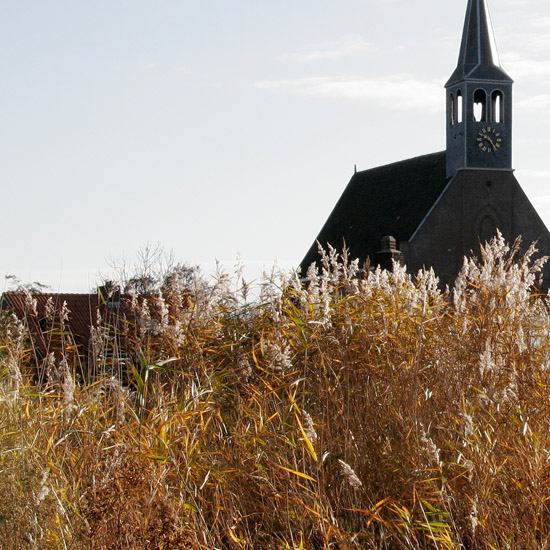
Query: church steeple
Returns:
{"type": "Point", "coordinates": [479, 99]}
{"type": "Point", "coordinates": [478, 58]}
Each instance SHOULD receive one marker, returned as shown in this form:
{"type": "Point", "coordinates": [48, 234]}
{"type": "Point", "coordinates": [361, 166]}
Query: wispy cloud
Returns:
{"type": "Point", "coordinates": [528, 48]}
{"type": "Point", "coordinates": [522, 67]}
{"type": "Point", "coordinates": [539, 103]}
{"type": "Point", "coordinates": [540, 175]}
{"type": "Point", "coordinates": [332, 51]}
{"type": "Point", "coordinates": [396, 92]}
{"type": "Point", "coordinates": [539, 22]}
{"type": "Point", "coordinates": [516, 3]}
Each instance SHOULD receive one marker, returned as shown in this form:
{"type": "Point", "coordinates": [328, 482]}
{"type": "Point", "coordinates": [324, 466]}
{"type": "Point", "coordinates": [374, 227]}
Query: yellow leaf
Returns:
{"type": "Point", "coordinates": [296, 473]}
{"type": "Point", "coordinates": [234, 537]}
{"type": "Point", "coordinates": [309, 445]}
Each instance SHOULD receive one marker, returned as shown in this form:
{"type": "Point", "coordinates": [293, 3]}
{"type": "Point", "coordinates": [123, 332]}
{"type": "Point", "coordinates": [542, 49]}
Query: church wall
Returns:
{"type": "Point", "coordinates": [475, 203]}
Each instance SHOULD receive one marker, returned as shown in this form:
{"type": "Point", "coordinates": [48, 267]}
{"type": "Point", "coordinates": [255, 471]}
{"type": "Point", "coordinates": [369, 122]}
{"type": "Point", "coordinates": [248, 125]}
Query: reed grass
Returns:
{"type": "Point", "coordinates": [368, 412]}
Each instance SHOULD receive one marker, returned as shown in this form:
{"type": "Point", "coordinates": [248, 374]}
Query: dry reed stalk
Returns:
{"type": "Point", "coordinates": [374, 412]}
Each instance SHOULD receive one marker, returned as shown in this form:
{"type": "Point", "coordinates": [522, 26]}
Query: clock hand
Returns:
{"type": "Point", "coordinates": [490, 141]}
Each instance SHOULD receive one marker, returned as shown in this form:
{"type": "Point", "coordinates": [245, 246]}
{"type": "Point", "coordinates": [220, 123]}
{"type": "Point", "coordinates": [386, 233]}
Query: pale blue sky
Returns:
{"type": "Point", "coordinates": [223, 128]}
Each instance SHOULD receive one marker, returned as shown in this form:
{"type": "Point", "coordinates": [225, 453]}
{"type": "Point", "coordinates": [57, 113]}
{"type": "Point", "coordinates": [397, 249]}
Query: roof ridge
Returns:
{"type": "Point", "coordinates": [403, 161]}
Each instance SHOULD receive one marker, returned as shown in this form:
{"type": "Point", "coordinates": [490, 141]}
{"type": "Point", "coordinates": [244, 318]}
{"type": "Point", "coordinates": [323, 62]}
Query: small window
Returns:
{"type": "Point", "coordinates": [452, 110]}
{"type": "Point", "coordinates": [497, 107]}
{"type": "Point", "coordinates": [480, 106]}
{"type": "Point", "coordinates": [459, 107]}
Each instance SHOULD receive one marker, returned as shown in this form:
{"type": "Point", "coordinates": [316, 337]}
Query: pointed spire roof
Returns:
{"type": "Point", "coordinates": [478, 58]}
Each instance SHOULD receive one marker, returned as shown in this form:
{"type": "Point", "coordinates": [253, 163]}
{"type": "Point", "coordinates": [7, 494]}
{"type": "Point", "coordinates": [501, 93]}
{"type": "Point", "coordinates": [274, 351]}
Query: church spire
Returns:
{"type": "Point", "coordinates": [478, 58]}
{"type": "Point", "coordinates": [479, 100]}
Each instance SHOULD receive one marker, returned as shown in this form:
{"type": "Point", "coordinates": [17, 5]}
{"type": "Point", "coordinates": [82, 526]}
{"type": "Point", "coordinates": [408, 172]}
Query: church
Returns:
{"type": "Point", "coordinates": [432, 210]}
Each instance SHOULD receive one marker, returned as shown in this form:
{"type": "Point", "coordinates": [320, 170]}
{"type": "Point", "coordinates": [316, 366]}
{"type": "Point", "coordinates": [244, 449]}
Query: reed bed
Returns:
{"type": "Point", "coordinates": [359, 410]}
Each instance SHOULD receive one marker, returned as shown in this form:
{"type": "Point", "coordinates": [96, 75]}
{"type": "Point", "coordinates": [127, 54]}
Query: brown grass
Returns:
{"type": "Point", "coordinates": [374, 413]}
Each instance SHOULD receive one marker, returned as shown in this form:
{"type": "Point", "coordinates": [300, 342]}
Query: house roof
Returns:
{"type": "Point", "coordinates": [387, 200]}
{"type": "Point", "coordinates": [82, 314]}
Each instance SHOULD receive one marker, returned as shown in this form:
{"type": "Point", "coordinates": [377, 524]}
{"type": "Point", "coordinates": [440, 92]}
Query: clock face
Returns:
{"type": "Point", "coordinates": [489, 140]}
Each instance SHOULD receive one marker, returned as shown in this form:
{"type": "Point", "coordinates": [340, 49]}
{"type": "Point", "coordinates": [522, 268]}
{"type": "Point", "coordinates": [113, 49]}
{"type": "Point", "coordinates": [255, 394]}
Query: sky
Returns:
{"type": "Point", "coordinates": [227, 129]}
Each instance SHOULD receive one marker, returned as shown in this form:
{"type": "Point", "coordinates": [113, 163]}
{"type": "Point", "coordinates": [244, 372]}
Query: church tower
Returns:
{"type": "Point", "coordinates": [479, 100]}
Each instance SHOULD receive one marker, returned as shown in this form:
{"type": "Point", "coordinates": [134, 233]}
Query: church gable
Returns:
{"type": "Point", "coordinates": [475, 204]}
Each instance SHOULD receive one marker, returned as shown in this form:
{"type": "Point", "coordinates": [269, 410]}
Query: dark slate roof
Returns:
{"type": "Point", "coordinates": [478, 58]}
{"type": "Point", "coordinates": [388, 200]}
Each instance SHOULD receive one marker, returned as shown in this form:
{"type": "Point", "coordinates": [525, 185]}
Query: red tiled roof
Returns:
{"type": "Point", "coordinates": [82, 315]}
{"type": "Point", "coordinates": [41, 314]}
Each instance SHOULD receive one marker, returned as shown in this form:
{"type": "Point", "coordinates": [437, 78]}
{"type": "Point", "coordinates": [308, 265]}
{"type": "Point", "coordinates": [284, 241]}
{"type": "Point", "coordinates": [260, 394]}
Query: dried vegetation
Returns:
{"type": "Point", "coordinates": [367, 413]}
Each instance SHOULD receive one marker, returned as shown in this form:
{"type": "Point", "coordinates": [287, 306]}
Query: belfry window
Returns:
{"type": "Point", "coordinates": [497, 107]}
{"type": "Point", "coordinates": [452, 120]}
{"type": "Point", "coordinates": [480, 106]}
{"type": "Point", "coordinates": [459, 107]}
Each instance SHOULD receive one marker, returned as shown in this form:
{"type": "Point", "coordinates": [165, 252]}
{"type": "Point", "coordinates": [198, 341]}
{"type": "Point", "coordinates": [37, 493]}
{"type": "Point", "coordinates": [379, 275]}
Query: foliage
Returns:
{"type": "Point", "coordinates": [354, 410]}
